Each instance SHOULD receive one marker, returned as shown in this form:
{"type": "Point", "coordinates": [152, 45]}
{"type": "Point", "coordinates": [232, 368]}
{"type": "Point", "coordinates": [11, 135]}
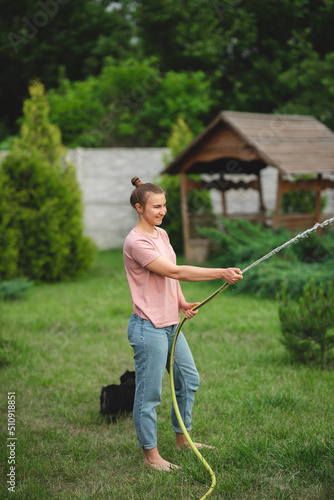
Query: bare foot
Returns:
{"type": "Point", "coordinates": [182, 442]}
{"type": "Point", "coordinates": [162, 465]}
{"type": "Point", "coordinates": [153, 459]}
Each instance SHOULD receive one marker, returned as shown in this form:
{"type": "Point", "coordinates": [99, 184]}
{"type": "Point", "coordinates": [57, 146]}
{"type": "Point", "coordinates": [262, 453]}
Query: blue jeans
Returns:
{"type": "Point", "coordinates": [152, 348]}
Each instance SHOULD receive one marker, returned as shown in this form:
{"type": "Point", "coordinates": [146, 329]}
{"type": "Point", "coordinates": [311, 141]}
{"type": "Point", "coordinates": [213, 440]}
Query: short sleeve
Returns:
{"type": "Point", "coordinates": [144, 252]}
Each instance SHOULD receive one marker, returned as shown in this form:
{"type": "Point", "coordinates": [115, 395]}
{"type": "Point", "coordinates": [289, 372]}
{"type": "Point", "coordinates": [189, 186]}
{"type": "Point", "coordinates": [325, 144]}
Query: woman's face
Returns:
{"type": "Point", "coordinates": [154, 210]}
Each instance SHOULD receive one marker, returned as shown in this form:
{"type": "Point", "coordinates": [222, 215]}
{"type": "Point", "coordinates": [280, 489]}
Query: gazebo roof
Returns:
{"type": "Point", "coordinates": [294, 144]}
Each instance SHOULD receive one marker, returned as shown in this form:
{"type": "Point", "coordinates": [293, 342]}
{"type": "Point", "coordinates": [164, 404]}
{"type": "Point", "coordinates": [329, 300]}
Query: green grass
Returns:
{"type": "Point", "coordinates": [271, 421]}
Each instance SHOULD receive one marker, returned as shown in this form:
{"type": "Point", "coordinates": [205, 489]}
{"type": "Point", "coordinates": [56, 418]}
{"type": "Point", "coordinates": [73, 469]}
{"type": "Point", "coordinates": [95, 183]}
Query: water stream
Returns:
{"type": "Point", "coordinates": [293, 240]}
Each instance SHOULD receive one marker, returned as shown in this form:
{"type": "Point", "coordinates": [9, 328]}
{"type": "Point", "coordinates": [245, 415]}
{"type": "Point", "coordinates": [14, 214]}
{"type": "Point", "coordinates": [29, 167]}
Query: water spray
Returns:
{"type": "Point", "coordinates": [201, 304]}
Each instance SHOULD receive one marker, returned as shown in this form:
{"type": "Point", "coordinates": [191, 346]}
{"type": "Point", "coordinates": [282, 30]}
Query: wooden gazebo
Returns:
{"type": "Point", "coordinates": [245, 143]}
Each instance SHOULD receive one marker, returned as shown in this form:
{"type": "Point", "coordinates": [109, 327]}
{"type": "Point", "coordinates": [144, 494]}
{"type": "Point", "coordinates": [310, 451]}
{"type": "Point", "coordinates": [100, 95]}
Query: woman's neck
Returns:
{"type": "Point", "coordinates": [148, 229]}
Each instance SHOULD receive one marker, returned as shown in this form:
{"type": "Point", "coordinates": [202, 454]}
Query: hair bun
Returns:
{"type": "Point", "coordinates": [136, 182]}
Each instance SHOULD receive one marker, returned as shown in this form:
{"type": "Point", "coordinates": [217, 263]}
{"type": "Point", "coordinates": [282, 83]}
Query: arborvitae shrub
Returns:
{"type": "Point", "coordinates": [308, 324]}
{"type": "Point", "coordinates": [8, 234]}
{"type": "Point", "coordinates": [43, 205]}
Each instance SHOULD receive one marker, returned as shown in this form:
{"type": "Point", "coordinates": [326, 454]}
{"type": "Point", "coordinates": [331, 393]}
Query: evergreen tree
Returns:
{"type": "Point", "coordinates": [8, 233]}
{"type": "Point", "coordinates": [42, 208]}
{"type": "Point", "coordinates": [307, 325]}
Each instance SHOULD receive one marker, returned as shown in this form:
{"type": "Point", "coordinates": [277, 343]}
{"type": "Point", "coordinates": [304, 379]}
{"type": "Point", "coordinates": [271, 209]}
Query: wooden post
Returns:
{"type": "Point", "coordinates": [318, 200]}
{"type": "Point", "coordinates": [185, 216]}
{"type": "Point", "coordinates": [277, 214]}
{"type": "Point", "coordinates": [262, 207]}
{"type": "Point", "coordinates": [221, 184]}
{"type": "Point", "coordinates": [224, 203]}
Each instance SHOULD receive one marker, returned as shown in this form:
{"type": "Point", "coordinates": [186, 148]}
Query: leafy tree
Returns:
{"type": "Point", "coordinates": [76, 107]}
{"type": "Point", "coordinates": [102, 110]}
{"type": "Point", "coordinates": [42, 211]}
{"type": "Point", "coordinates": [254, 58]}
{"type": "Point", "coordinates": [183, 35]}
{"type": "Point", "coordinates": [307, 325]}
{"type": "Point", "coordinates": [308, 84]}
{"type": "Point", "coordinates": [39, 37]}
{"type": "Point", "coordinates": [187, 94]}
{"type": "Point", "coordinates": [129, 104]}
{"type": "Point", "coordinates": [249, 45]}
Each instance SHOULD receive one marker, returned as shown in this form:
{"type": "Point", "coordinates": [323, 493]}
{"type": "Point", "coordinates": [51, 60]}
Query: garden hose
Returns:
{"type": "Point", "coordinates": [176, 407]}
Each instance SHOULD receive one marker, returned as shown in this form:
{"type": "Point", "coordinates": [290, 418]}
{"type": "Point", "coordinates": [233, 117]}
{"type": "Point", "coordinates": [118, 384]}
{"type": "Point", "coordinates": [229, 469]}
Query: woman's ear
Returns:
{"type": "Point", "coordinates": [139, 208]}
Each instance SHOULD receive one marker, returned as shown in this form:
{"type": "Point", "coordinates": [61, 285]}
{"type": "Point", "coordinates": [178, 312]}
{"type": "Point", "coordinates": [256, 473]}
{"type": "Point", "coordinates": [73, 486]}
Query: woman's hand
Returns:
{"type": "Point", "coordinates": [186, 309]}
{"type": "Point", "coordinates": [232, 275]}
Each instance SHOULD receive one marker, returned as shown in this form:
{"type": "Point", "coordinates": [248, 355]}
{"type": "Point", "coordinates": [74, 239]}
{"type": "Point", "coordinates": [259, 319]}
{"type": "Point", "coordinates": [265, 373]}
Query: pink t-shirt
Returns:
{"type": "Point", "coordinates": [154, 297]}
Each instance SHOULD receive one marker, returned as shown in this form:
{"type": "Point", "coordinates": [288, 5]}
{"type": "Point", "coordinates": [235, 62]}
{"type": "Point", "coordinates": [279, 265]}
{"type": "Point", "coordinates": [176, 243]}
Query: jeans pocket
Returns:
{"type": "Point", "coordinates": [132, 325]}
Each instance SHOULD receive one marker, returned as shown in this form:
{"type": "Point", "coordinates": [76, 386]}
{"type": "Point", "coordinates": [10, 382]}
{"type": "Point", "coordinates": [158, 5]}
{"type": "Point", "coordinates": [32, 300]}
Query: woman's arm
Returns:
{"type": "Point", "coordinates": [164, 267]}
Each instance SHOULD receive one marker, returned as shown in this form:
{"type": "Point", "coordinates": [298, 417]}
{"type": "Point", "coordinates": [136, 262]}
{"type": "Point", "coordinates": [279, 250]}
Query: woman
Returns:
{"type": "Point", "coordinates": [157, 298]}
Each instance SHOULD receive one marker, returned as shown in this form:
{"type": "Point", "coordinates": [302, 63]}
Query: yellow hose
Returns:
{"type": "Point", "coordinates": [176, 407]}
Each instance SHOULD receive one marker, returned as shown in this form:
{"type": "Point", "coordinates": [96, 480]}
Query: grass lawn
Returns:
{"type": "Point", "coordinates": [271, 421]}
